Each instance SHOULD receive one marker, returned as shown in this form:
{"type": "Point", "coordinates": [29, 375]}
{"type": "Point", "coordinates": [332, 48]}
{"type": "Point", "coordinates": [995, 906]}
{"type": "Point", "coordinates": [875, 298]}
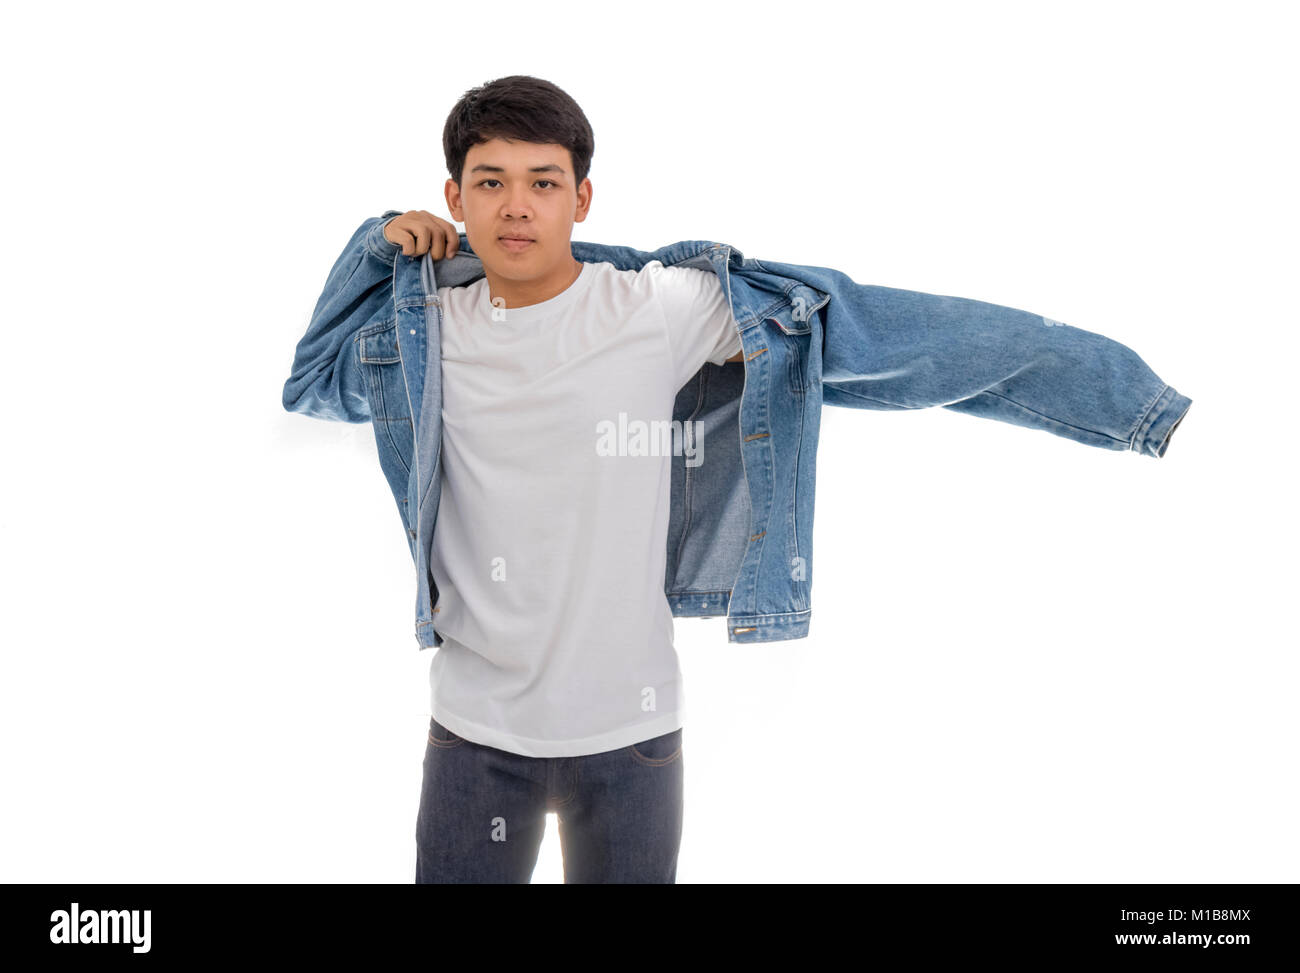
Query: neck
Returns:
{"type": "Point", "coordinates": [521, 293]}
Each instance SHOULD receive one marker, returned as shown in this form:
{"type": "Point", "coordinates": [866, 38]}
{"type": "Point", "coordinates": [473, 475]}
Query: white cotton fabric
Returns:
{"type": "Point", "coordinates": [550, 557]}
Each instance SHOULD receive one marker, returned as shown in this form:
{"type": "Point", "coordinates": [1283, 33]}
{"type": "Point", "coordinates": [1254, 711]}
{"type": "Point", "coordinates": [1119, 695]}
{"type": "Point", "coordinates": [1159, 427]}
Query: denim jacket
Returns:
{"type": "Point", "coordinates": [741, 523]}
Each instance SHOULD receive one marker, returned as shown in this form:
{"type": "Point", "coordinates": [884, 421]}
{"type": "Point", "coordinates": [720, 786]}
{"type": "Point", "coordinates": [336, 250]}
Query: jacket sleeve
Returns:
{"type": "Point", "coordinates": [326, 380]}
{"type": "Point", "coordinates": [886, 348]}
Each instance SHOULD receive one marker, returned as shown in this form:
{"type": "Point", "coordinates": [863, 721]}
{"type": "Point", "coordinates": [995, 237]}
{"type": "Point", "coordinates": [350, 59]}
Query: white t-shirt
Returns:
{"type": "Point", "coordinates": [550, 545]}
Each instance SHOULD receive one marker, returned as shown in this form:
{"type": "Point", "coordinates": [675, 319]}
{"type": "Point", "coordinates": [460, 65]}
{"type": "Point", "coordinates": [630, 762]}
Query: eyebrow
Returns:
{"type": "Point", "coordinates": [481, 167]}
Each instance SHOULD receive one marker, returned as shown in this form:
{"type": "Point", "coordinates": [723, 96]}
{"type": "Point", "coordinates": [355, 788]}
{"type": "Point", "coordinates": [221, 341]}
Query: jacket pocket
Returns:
{"type": "Point", "coordinates": [379, 344]}
{"type": "Point", "coordinates": [796, 317]}
{"type": "Point", "coordinates": [795, 302]}
{"type": "Point", "coordinates": [794, 320]}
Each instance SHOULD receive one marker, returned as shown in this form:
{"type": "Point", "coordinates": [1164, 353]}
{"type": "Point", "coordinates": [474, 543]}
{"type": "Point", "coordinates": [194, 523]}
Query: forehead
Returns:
{"type": "Point", "coordinates": [513, 153]}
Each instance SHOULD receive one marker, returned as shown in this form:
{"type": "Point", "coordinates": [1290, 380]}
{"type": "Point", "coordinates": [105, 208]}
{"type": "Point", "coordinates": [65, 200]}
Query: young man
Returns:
{"type": "Point", "coordinates": [542, 550]}
{"type": "Point", "coordinates": [557, 686]}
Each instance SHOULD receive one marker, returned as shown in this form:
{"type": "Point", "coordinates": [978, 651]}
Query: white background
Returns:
{"type": "Point", "coordinates": [1030, 659]}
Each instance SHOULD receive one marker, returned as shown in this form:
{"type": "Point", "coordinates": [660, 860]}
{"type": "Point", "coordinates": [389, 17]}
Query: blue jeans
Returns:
{"type": "Point", "coordinates": [483, 812]}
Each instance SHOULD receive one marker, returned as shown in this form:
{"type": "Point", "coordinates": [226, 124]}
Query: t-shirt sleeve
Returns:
{"type": "Point", "coordinates": [698, 316]}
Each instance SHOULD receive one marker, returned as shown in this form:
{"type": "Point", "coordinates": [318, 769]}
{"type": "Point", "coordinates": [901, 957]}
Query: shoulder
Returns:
{"type": "Point", "coordinates": [641, 282]}
{"type": "Point", "coordinates": [678, 280]}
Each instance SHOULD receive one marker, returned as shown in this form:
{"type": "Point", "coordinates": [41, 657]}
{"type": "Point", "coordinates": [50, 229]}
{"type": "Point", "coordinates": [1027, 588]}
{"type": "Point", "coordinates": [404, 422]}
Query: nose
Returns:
{"type": "Point", "coordinates": [516, 206]}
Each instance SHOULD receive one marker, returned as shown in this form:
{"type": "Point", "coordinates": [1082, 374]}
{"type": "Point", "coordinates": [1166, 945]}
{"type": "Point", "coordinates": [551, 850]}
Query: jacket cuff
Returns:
{"type": "Point", "coordinates": [1157, 426]}
{"type": "Point", "coordinates": [377, 243]}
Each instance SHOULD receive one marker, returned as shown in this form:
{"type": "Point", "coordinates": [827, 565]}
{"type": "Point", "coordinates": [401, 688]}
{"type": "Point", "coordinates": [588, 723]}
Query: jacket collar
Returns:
{"type": "Point", "coordinates": [465, 266]}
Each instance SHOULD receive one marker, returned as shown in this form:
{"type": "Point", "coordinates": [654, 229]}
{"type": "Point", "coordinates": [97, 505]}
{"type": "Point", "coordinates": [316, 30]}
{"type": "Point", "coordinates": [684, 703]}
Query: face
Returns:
{"type": "Point", "coordinates": [513, 189]}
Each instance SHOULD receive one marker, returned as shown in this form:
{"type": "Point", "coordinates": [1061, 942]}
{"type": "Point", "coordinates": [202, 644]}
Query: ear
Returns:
{"type": "Point", "coordinates": [584, 201]}
{"type": "Point", "coordinates": [452, 192]}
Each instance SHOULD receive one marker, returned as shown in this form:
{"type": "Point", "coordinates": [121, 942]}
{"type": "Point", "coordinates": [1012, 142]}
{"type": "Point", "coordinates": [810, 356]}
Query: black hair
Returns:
{"type": "Point", "coordinates": [517, 107]}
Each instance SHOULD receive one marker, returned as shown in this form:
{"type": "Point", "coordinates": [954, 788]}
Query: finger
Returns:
{"type": "Point", "coordinates": [437, 240]}
{"type": "Point", "coordinates": [450, 238]}
{"type": "Point", "coordinates": [422, 237]}
{"type": "Point", "coordinates": [423, 229]}
{"type": "Point", "coordinates": [403, 237]}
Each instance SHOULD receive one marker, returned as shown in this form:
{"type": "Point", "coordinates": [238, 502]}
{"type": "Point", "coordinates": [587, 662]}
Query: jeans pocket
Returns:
{"type": "Point", "coordinates": [659, 750]}
{"type": "Point", "coordinates": [440, 736]}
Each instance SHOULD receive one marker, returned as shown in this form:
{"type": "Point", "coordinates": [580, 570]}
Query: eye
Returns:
{"type": "Point", "coordinates": [549, 182]}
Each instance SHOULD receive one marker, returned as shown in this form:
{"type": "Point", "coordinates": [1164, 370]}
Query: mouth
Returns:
{"type": "Point", "coordinates": [515, 243]}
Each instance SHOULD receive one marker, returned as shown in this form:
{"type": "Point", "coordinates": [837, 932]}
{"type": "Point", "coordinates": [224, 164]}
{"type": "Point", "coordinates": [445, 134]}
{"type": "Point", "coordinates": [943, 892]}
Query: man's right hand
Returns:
{"type": "Point", "coordinates": [418, 230]}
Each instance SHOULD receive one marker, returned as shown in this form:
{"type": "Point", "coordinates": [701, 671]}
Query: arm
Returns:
{"type": "Point", "coordinates": [325, 380]}
{"type": "Point", "coordinates": [886, 348]}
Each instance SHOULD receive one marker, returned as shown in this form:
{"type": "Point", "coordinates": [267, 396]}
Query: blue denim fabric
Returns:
{"type": "Point", "coordinates": [741, 523]}
{"type": "Point", "coordinates": [483, 812]}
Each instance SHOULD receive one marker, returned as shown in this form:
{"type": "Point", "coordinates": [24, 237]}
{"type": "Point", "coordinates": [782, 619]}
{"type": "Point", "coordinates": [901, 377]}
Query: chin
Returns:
{"type": "Point", "coordinates": [512, 268]}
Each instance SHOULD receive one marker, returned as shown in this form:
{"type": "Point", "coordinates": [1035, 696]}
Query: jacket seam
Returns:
{"type": "Point", "coordinates": [794, 494]}
{"type": "Point", "coordinates": [1141, 425]}
{"type": "Point", "coordinates": [686, 474]}
{"type": "Point", "coordinates": [1005, 398]}
{"type": "Point", "coordinates": [1043, 415]}
{"type": "Point", "coordinates": [740, 433]}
